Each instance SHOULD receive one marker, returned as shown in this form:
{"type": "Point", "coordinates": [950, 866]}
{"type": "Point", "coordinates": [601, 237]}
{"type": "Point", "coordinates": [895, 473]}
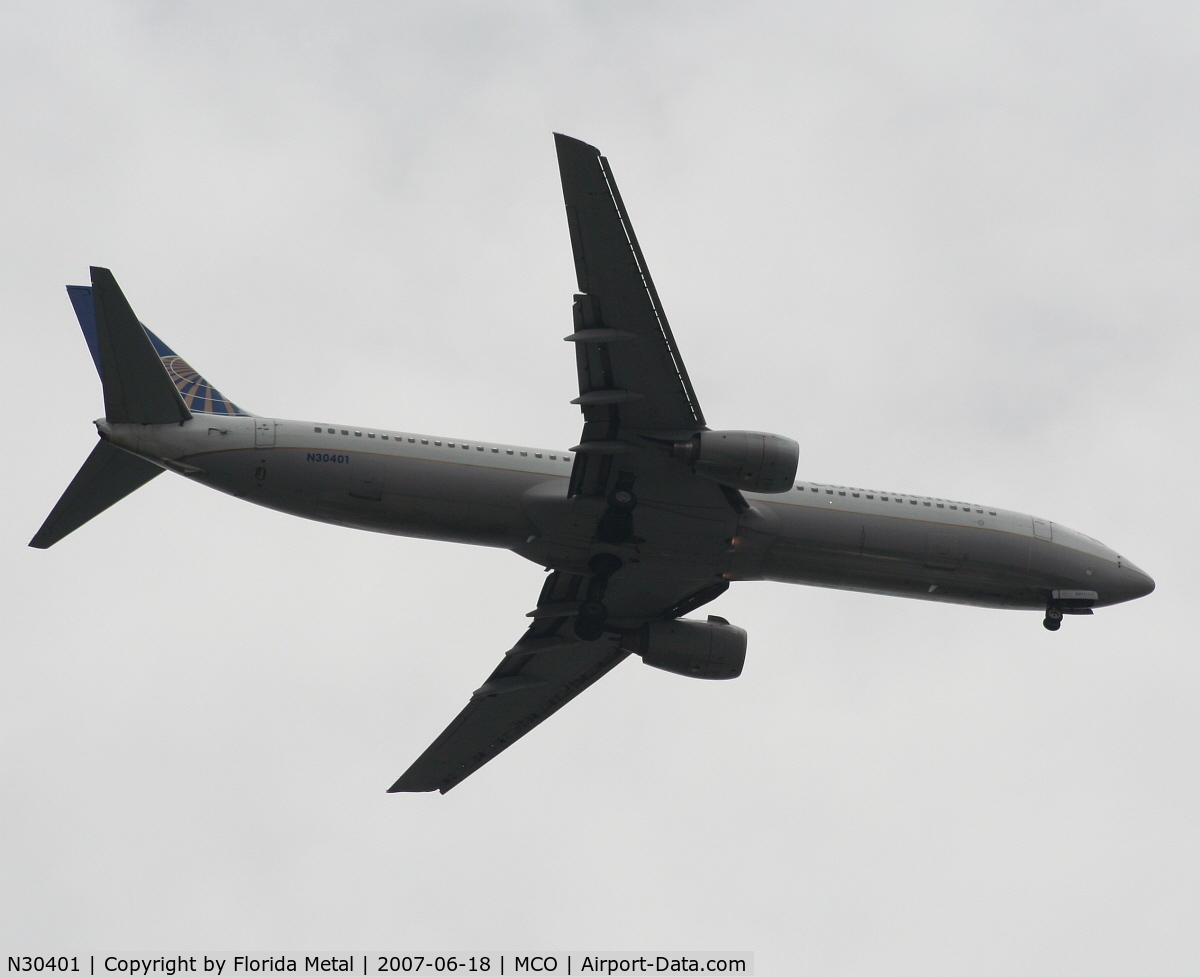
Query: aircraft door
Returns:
{"type": "Point", "coordinates": [264, 432]}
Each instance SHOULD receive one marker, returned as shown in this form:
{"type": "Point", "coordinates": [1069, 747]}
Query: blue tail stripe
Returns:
{"type": "Point", "coordinates": [199, 395]}
{"type": "Point", "coordinates": [85, 312]}
{"type": "Point", "coordinates": [159, 346]}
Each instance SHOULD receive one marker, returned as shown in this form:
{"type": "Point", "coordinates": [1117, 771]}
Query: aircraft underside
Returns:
{"type": "Point", "coordinates": [651, 516]}
{"type": "Point", "coordinates": [988, 558]}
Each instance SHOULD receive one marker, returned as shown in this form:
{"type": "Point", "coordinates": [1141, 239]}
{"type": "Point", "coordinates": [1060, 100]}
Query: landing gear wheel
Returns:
{"type": "Point", "coordinates": [1052, 623]}
{"type": "Point", "coordinates": [589, 624]}
{"type": "Point", "coordinates": [588, 630]}
{"type": "Point", "coordinates": [593, 610]}
{"type": "Point", "coordinates": [622, 499]}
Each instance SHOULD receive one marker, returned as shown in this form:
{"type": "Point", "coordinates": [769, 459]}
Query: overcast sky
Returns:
{"type": "Point", "coordinates": [951, 248]}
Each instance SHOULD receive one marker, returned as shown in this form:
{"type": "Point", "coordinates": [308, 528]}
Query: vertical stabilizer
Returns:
{"type": "Point", "coordinates": [108, 475]}
{"type": "Point", "coordinates": [137, 387]}
{"type": "Point", "coordinates": [199, 396]}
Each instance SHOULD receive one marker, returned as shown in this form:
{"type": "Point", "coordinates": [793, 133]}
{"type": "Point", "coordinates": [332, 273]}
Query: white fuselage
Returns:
{"type": "Point", "coordinates": [492, 494]}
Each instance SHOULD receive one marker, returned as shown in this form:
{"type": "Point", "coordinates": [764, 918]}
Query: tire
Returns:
{"type": "Point", "coordinates": [593, 610]}
{"type": "Point", "coordinates": [588, 630]}
{"type": "Point", "coordinates": [622, 499]}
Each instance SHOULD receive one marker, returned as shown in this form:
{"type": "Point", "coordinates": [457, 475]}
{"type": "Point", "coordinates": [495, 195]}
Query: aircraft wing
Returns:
{"type": "Point", "coordinates": [634, 390]}
{"type": "Point", "coordinates": [617, 295]}
{"type": "Point", "coordinates": [547, 668]}
{"type": "Point", "coordinates": [657, 549]}
{"type": "Point", "coordinates": [542, 673]}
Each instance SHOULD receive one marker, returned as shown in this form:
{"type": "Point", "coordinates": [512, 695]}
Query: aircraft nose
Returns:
{"type": "Point", "coordinates": [1142, 584]}
{"type": "Point", "coordinates": [1127, 582]}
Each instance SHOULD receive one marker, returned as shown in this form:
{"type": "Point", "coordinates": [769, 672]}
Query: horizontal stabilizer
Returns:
{"type": "Point", "coordinates": [108, 475]}
{"type": "Point", "coordinates": [137, 387]}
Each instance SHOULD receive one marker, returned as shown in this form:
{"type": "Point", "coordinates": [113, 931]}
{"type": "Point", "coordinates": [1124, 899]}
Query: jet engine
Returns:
{"type": "Point", "coordinates": [749, 460]}
{"type": "Point", "coordinates": [698, 649]}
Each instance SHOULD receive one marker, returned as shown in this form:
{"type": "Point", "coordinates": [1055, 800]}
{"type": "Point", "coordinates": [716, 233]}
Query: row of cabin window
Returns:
{"type": "Point", "coordinates": [884, 498]}
{"type": "Point", "coordinates": [449, 444]}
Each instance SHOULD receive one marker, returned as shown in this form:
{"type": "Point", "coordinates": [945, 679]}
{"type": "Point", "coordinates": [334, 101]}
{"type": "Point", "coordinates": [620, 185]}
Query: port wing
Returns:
{"type": "Point", "coordinates": [548, 667]}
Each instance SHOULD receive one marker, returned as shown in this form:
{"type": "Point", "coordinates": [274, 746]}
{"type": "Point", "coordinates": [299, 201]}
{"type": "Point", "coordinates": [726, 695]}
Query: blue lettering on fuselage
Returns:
{"type": "Point", "coordinates": [325, 456]}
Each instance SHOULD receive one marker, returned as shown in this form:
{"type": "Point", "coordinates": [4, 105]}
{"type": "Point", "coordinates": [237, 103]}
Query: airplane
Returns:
{"type": "Point", "coordinates": [649, 517]}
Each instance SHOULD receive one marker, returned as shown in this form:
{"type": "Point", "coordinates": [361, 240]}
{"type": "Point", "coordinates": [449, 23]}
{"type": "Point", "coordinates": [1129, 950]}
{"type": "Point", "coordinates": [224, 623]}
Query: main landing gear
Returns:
{"type": "Point", "coordinates": [1053, 620]}
{"type": "Point", "coordinates": [590, 618]}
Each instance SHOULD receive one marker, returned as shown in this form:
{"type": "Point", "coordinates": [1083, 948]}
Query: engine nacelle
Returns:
{"type": "Point", "coordinates": [748, 460]}
{"type": "Point", "coordinates": [713, 649]}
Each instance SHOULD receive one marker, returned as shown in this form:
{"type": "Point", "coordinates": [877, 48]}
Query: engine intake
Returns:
{"type": "Point", "coordinates": [712, 649]}
{"type": "Point", "coordinates": [748, 460]}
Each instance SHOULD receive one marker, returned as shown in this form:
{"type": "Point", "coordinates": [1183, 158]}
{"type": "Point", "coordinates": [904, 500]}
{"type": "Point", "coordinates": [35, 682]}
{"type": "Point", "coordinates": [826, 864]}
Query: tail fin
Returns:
{"type": "Point", "coordinates": [144, 380]}
{"type": "Point", "coordinates": [144, 383]}
{"type": "Point", "coordinates": [108, 475]}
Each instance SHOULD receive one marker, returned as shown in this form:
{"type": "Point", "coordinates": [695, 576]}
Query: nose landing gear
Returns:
{"type": "Point", "coordinates": [1063, 602]}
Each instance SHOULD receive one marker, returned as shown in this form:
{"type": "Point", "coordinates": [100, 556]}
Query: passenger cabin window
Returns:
{"type": "Point", "coordinates": [370, 435]}
{"type": "Point", "coordinates": [480, 448]}
{"type": "Point", "coordinates": [537, 454]}
{"type": "Point", "coordinates": [508, 451]}
{"type": "Point", "coordinates": [438, 443]}
{"type": "Point", "coordinates": [495, 451]}
{"type": "Point", "coordinates": [524, 454]}
{"type": "Point", "coordinates": [941, 505]}
{"type": "Point", "coordinates": [383, 437]}
{"type": "Point", "coordinates": [855, 494]}
{"type": "Point", "coordinates": [345, 432]}
{"type": "Point", "coordinates": [317, 429]}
